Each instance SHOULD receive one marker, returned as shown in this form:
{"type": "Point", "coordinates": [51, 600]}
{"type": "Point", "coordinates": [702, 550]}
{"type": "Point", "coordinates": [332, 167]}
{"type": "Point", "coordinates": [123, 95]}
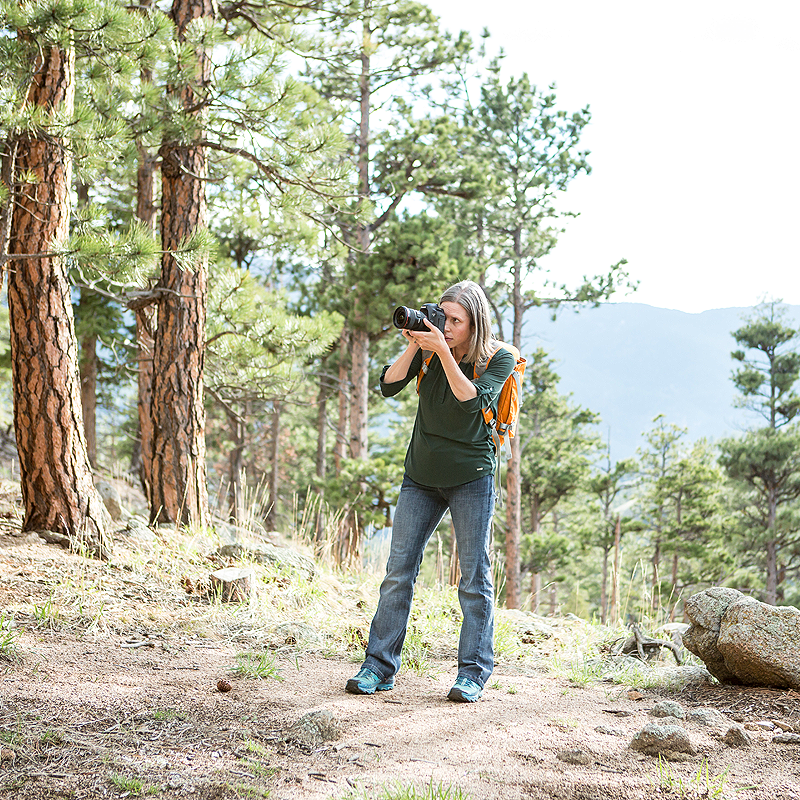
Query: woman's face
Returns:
{"type": "Point", "coordinates": [457, 326]}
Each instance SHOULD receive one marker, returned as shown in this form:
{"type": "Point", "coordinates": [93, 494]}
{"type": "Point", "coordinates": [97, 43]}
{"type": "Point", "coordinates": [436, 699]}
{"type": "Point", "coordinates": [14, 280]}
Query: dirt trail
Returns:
{"type": "Point", "coordinates": [131, 706]}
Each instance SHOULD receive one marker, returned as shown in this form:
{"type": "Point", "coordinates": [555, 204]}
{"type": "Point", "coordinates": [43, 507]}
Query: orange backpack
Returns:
{"type": "Point", "coordinates": [508, 401]}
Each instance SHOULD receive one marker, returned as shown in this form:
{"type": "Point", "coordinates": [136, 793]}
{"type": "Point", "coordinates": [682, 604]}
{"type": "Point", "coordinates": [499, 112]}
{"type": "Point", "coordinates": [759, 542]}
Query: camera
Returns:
{"type": "Point", "coordinates": [413, 320]}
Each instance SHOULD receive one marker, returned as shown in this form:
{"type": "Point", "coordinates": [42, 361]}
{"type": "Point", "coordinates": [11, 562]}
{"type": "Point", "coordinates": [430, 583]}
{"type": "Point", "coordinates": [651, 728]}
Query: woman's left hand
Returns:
{"type": "Point", "coordinates": [432, 339]}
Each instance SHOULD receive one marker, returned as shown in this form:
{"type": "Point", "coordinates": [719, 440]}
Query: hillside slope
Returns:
{"type": "Point", "coordinates": [630, 362]}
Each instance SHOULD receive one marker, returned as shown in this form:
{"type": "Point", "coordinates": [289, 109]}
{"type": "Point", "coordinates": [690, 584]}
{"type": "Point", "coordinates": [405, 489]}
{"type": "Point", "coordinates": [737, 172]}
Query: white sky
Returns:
{"type": "Point", "coordinates": [694, 138]}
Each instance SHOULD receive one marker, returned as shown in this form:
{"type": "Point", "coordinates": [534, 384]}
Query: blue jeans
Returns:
{"type": "Point", "coordinates": [419, 510]}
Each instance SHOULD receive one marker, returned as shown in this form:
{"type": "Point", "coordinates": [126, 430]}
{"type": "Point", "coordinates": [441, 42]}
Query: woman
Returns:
{"type": "Point", "coordinates": [450, 463]}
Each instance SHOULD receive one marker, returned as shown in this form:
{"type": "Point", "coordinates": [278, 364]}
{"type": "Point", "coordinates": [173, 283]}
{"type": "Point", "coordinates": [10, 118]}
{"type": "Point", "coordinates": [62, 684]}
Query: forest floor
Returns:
{"type": "Point", "coordinates": [110, 689]}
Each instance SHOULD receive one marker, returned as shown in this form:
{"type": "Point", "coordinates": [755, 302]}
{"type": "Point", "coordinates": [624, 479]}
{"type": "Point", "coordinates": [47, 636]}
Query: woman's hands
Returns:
{"type": "Point", "coordinates": [432, 339]}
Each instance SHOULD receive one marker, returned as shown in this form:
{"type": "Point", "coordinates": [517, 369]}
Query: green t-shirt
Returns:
{"type": "Point", "coordinates": [451, 444]}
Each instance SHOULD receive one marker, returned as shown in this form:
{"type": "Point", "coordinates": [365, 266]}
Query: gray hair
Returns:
{"type": "Point", "coordinates": [471, 297]}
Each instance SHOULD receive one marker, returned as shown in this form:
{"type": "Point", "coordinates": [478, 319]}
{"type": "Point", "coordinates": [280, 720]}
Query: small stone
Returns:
{"type": "Point", "coordinates": [223, 685]}
{"type": "Point", "coordinates": [6, 754]}
{"type": "Point", "coordinates": [707, 716]}
{"type": "Point", "coordinates": [737, 736]}
{"type": "Point", "coordinates": [786, 738]}
{"type": "Point", "coordinates": [668, 708]}
{"type": "Point", "coordinates": [314, 728]}
{"type": "Point", "coordinates": [634, 695]}
{"type": "Point", "coordinates": [786, 727]}
{"type": "Point", "coordinates": [656, 739]}
{"type": "Point", "coordinates": [577, 757]}
{"type": "Point", "coordinates": [608, 731]}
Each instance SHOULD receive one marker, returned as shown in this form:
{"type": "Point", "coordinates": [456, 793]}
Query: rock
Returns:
{"type": "Point", "coordinates": [708, 716]}
{"type": "Point", "coordinates": [111, 499]}
{"type": "Point", "coordinates": [609, 731]}
{"type": "Point", "coordinates": [314, 728]}
{"type": "Point", "coordinates": [737, 736]}
{"type": "Point", "coordinates": [266, 553]}
{"type": "Point", "coordinates": [234, 585]}
{"type": "Point", "coordinates": [705, 611]}
{"type": "Point", "coordinates": [668, 708]}
{"type": "Point", "coordinates": [760, 643]}
{"type": "Point", "coordinates": [578, 757]}
{"type": "Point", "coordinates": [655, 739]}
{"type": "Point", "coordinates": [786, 738]}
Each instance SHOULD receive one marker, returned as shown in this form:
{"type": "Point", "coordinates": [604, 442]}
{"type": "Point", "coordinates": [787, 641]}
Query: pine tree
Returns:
{"type": "Point", "coordinates": [765, 463]}
{"type": "Point", "coordinates": [528, 152]}
{"type": "Point", "coordinates": [42, 130]}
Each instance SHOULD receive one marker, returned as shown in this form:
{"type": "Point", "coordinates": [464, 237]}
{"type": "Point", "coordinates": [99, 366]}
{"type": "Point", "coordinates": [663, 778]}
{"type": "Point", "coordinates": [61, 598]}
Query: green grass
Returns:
{"type": "Point", "coordinates": [256, 665]}
{"type": "Point", "coordinates": [399, 791]}
{"type": "Point", "coordinates": [9, 636]}
{"type": "Point", "coordinates": [701, 784]}
{"type": "Point", "coordinates": [132, 785]}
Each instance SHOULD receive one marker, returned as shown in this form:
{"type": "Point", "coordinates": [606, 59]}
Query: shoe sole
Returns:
{"type": "Point", "coordinates": [355, 688]}
{"type": "Point", "coordinates": [459, 697]}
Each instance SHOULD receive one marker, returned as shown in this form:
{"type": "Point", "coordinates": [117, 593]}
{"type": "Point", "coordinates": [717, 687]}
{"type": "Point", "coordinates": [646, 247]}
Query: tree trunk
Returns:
{"type": "Point", "coordinates": [342, 424]}
{"type": "Point", "coordinates": [604, 589]}
{"type": "Point", "coordinates": [274, 472]}
{"type": "Point", "coordinates": [145, 317]}
{"type": "Point", "coordinates": [513, 527]}
{"type": "Point", "coordinates": [55, 475]}
{"type": "Point", "coordinates": [360, 390]}
{"type": "Point", "coordinates": [771, 590]}
{"type": "Point", "coordinates": [655, 599]}
{"type": "Point", "coordinates": [236, 511]}
{"type": "Point", "coordinates": [178, 490]}
{"type": "Point", "coordinates": [514, 470]}
{"type": "Point", "coordinates": [615, 604]}
{"type": "Point", "coordinates": [145, 333]}
{"type": "Point", "coordinates": [320, 461]}
{"type": "Point", "coordinates": [88, 377]}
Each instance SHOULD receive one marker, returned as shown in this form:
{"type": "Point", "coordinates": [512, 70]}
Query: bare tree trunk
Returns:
{"type": "Point", "coordinates": [145, 317]}
{"type": "Point", "coordinates": [771, 589]}
{"type": "Point", "coordinates": [88, 377]}
{"type": "Point", "coordinates": [360, 389]}
{"type": "Point", "coordinates": [320, 462]}
{"type": "Point", "coordinates": [342, 425]}
{"type": "Point", "coordinates": [604, 589]}
{"type": "Point", "coordinates": [55, 474]}
{"type": "Point", "coordinates": [514, 469]}
{"type": "Point", "coordinates": [236, 510]}
{"type": "Point", "coordinates": [145, 333]}
{"type": "Point", "coordinates": [274, 472]}
{"type": "Point", "coordinates": [615, 604]}
{"type": "Point", "coordinates": [178, 491]}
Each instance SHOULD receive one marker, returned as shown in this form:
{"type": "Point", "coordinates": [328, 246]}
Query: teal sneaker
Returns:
{"type": "Point", "coordinates": [465, 691]}
{"type": "Point", "coordinates": [367, 682]}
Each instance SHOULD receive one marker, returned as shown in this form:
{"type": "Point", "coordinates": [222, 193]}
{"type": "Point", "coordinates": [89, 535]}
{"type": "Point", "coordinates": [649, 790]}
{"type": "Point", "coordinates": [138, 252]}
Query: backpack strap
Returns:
{"type": "Point", "coordinates": [427, 355]}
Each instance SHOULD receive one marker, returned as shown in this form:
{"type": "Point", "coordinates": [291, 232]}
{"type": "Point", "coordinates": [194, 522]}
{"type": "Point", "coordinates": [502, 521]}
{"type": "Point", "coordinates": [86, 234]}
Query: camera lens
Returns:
{"type": "Point", "coordinates": [400, 317]}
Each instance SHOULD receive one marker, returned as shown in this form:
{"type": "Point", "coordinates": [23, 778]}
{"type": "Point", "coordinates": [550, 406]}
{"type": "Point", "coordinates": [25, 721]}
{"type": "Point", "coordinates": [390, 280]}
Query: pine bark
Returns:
{"type": "Point", "coordinates": [514, 470]}
{"type": "Point", "coordinates": [56, 480]}
{"type": "Point", "coordinates": [88, 376]}
{"type": "Point", "coordinates": [178, 490]}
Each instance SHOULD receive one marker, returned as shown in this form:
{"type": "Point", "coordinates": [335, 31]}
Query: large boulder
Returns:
{"type": "Point", "coordinates": [761, 643]}
{"type": "Point", "coordinates": [742, 640]}
{"type": "Point", "coordinates": [705, 611]}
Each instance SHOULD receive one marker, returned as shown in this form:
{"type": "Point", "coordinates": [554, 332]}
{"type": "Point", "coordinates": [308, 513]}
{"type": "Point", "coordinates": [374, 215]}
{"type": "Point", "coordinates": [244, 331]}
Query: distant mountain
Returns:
{"type": "Point", "coordinates": [629, 362]}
